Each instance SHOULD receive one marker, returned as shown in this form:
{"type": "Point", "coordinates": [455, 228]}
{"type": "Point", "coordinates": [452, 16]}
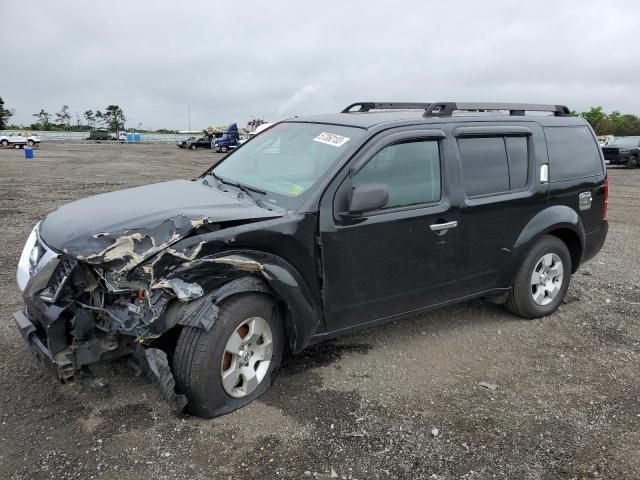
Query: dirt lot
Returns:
{"type": "Point", "coordinates": [567, 402]}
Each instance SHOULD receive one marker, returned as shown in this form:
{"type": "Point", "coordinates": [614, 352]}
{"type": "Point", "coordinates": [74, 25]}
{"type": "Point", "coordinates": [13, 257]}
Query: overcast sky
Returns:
{"type": "Point", "coordinates": [231, 61]}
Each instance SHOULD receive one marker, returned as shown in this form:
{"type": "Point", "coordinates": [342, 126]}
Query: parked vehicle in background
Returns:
{"type": "Point", "coordinates": [319, 226]}
{"type": "Point", "coordinates": [229, 140]}
{"type": "Point", "coordinates": [19, 140]}
{"type": "Point", "coordinates": [262, 128]}
{"type": "Point", "coordinates": [259, 129]}
{"type": "Point", "coordinates": [103, 135]}
{"type": "Point", "coordinates": [604, 140]}
{"type": "Point", "coordinates": [623, 151]}
{"type": "Point", "coordinates": [195, 142]}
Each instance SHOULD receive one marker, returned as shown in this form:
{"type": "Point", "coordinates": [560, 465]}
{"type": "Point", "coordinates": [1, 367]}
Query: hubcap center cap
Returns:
{"type": "Point", "coordinates": [245, 356]}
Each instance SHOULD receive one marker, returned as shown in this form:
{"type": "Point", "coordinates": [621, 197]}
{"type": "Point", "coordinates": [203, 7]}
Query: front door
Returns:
{"type": "Point", "coordinates": [398, 258]}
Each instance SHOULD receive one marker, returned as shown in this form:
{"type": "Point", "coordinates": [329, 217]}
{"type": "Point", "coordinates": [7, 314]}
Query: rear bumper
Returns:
{"type": "Point", "coordinates": [594, 241]}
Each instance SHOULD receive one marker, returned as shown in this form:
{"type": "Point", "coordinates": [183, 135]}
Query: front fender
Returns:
{"type": "Point", "coordinates": [231, 272]}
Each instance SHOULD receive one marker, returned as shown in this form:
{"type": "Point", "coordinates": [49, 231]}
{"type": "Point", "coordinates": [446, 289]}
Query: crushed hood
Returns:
{"type": "Point", "coordinates": [127, 226]}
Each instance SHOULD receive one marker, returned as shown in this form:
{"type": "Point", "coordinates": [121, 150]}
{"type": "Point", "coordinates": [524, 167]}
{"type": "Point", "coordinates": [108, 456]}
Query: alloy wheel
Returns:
{"type": "Point", "coordinates": [247, 356]}
{"type": "Point", "coordinates": [546, 279]}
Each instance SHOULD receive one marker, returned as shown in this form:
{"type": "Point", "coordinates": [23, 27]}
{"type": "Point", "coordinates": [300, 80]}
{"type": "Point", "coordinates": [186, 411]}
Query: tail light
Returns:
{"type": "Point", "coordinates": [606, 198]}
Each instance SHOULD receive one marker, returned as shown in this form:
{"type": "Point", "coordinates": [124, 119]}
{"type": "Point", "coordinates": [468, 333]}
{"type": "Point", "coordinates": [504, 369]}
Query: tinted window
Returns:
{"type": "Point", "coordinates": [494, 164]}
{"type": "Point", "coordinates": [573, 153]}
{"type": "Point", "coordinates": [411, 171]}
{"type": "Point", "coordinates": [484, 165]}
{"type": "Point", "coordinates": [518, 155]}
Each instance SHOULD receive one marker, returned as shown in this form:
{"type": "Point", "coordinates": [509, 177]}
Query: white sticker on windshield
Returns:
{"type": "Point", "coordinates": [331, 139]}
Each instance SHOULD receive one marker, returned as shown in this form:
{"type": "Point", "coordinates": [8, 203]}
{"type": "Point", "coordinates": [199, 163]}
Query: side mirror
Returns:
{"type": "Point", "coordinates": [367, 197]}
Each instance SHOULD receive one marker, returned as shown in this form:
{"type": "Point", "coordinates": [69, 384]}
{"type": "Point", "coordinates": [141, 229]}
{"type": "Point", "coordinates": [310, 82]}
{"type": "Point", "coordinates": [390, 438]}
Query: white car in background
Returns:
{"type": "Point", "coordinates": [19, 140]}
{"type": "Point", "coordinates": [261, 128]}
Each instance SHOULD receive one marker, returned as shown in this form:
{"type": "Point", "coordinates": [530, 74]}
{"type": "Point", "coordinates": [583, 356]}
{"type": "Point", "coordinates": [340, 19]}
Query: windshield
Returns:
{"type": "Point", "coordinates": [286, 160]}
{"type": "Point", "coordinates": [625, 142]}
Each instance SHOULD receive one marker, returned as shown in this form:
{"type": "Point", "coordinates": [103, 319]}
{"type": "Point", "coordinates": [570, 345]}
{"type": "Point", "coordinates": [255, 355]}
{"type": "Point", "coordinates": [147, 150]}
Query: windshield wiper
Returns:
{"type": "Point", "coordinates": [246, 191]}
{"type": "Point", "coordinates": [216, 178]}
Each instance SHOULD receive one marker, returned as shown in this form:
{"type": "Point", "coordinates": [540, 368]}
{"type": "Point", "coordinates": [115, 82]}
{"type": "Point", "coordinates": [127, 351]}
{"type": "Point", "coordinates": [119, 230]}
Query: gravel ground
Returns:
{"type": "Point", "coordinates": [402, 400]}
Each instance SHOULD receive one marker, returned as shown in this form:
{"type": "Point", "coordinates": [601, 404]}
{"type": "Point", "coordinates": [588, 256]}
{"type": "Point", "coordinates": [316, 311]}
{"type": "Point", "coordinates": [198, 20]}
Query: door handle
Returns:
{"type": "Point", "coordinates": [440, 227]}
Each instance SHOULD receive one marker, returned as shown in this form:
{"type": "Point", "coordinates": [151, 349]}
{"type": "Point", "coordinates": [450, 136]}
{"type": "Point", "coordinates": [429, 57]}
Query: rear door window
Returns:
{"type": "Point", "coordinates": [518, 156]}
{"type": "Point", "coordinates": [492, 165]}
{"type": "Point", "coordinates": [573, 153]}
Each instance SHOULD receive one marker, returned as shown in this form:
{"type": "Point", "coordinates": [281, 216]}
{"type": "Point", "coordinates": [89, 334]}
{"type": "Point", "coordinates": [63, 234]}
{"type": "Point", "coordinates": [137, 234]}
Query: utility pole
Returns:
{"type": "Point", "coordinates": [189, 115]}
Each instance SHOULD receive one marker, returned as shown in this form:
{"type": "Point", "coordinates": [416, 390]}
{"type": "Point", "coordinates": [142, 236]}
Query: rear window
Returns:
{"type": "Point", "coordinates": [573, 153]}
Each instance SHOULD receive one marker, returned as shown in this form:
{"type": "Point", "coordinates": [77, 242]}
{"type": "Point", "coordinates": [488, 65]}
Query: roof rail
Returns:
{"type": "Point", "coordinates": [366, 106]}
{"type": "Point", "coordinates": [446, 109]}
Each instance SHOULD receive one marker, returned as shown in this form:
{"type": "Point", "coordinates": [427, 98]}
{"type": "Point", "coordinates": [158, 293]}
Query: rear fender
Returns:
{"type": "Point", "coordinates": [557, 217]}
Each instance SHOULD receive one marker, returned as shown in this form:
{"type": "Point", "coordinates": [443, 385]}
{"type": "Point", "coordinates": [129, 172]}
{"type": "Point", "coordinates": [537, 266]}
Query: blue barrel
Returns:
{"type": "Point", "coordinates": [129, 138]}
{"type": "Point", "coordinates": [28, 153]}
{"type": "Point", "coordinates": [136, 137]}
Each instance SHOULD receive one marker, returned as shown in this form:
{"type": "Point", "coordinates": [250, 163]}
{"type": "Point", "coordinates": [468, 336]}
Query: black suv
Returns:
{"type": "Point", "coordinates": [192, 143]}
{"type": "Point", "coordinates": [623, 151]}
{"type": "Point", "coordinates": [315, 227]}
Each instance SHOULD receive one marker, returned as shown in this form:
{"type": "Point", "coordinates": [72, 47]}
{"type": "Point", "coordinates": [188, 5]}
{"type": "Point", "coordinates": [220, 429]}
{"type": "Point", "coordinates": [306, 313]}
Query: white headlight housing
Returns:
{"type": "Point", "coordinates": [28, 259]}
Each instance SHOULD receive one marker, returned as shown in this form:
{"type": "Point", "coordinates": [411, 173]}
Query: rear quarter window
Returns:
{"type": "Point", "coordinates": [573, 153]}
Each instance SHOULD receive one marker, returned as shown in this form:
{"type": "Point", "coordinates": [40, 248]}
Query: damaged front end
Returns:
{"type": "Point", "coordinates": [82, 310]}
{"type": "Point", "coordinates": [123, 273]}
{"type": "Point", "coordinates": [103, 298]}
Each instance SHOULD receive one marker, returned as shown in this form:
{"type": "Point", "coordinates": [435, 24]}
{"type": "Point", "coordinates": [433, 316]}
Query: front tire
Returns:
{"type": "Point", "coordinates": [235, 361]}
{"type": "Point", "coordinates": [632, 162]}
{"type": "Point", "coordinates": [4, 143]}
{"type": "Point", "coordinates": [542, 281]}
{"type": "Point", "coordinates": [192, 147]}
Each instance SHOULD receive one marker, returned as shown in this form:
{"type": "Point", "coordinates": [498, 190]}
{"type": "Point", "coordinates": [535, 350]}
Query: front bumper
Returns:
{"type": "Point", "coordinates": [64, 365]}
{"type": "Point", "coordinates": [47, 338]}
{"type": "Point", "coordinates": [63, 371]}
{"type": "Point", "coordinates": [616, 159]}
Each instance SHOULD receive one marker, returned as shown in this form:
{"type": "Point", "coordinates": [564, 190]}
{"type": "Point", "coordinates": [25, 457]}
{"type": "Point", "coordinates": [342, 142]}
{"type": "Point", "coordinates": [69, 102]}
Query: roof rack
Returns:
{"type": "Point", "coordinates": [366, 106]}
{"type": "Point", "coordinates": [446, 109]}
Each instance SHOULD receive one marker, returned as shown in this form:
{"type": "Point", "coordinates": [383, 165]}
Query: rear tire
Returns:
{"type": "Point", "coordinates": [632, 162]}
{"type": "Point", "coordinates": [205, 368]}
{"type": "Point", "coordinates": [542, 281]}
{"type": "Point", "coordinates": [192, 147]}
{"type": "Point", "coordinates": [4, 143]}
{"type": "Point", "coordinates": [31, 143]}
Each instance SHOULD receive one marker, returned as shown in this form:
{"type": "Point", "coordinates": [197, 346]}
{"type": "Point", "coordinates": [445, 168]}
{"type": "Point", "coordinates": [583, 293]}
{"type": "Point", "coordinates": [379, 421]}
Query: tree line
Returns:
{"type": "Point", "coordinates": [112, 118]}
{"type": "Point", "coordinates": [614, 123]}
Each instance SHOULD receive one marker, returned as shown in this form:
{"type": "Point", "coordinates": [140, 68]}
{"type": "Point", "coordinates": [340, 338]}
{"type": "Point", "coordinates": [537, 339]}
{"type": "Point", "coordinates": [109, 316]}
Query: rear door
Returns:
{"type": "Point", "coordinates": [502, 192]}
{"type": "Point", "coordinates": [399, 258]}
